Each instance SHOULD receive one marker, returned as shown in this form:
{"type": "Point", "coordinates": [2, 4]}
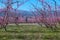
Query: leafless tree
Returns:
{"type": "Point", "coordinates": [43, 14]}
{"type": "Point", "coordinates": [7, 9]}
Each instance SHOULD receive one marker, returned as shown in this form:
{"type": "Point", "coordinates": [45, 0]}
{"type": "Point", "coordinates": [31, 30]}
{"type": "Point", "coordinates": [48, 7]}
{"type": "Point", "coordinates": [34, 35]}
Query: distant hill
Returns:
{"type": "Point", "coordinates": [24, 13]}
{"type": "Point", "coordinates": [19, 12]}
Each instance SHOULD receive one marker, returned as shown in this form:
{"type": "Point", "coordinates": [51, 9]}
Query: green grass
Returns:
{"type": "Point", "coordinates": [29, 32]}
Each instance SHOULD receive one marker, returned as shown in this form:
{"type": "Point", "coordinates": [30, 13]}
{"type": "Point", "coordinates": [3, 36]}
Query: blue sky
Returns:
{"type": "Point", "coordinates": [27, 6]}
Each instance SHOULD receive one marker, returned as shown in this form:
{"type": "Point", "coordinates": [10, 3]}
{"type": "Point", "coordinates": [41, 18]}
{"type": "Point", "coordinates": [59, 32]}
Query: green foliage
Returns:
{"type": "Point", "coordinates": [29, 32]}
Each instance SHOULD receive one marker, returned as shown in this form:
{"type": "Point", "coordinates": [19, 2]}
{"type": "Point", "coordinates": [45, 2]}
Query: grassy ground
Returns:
{"type": "Point", "coordinates": [29, 32]}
